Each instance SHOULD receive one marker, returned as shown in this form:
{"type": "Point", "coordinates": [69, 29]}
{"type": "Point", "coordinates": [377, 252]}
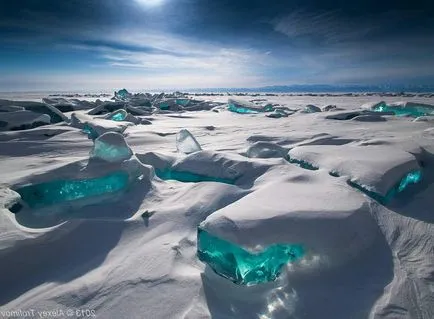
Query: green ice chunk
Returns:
{"type": "Point", "coordinates": [60, 191]}
{"type": "Point", "coordinates": [241, 266]}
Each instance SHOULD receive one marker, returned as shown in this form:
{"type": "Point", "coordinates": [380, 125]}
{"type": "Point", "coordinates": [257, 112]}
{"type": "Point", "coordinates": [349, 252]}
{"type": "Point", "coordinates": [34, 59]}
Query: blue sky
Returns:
{"type": "Point", "coordinates": [162, 44]}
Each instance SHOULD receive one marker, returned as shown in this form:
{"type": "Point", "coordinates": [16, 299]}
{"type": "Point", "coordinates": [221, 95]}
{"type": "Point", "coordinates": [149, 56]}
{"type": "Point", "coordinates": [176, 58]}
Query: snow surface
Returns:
{"type": "Point", "coordinates": [133, 254]}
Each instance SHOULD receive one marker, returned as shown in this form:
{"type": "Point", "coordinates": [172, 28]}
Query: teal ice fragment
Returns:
{"type": "Point", "coordinates": [59, 191]}
{"type": "Point", "coordinates": [90, 131]}
{"type": "Point", "coordinates": [164, 106]}
{"type": "Point", "coordinates": [244, 107]}
{"type": "Point", "coordinates": [187, 177]}
{"type": "Point", "coordinates": [241, 266]}
{"type": "Point", "coordinates": [119, 115]}
{"type": "Point", "coordinates": [413, 111]}
{"type": "Point", "coordinates": [301, 163]}
{"type": "Point", "coordinates": [182, 102]}
{"type": "Point", "coordinates": [412, 177]}
{"type": "Point", "coordinates": [241, 110]}
{"type": "Point", "coordinates": [122, 94]}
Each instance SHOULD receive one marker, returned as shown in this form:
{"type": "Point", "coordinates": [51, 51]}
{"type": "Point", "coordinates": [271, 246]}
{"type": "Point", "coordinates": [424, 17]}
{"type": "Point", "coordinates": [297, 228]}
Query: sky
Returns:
{"type": "Point", "coordinates": [52, 45]}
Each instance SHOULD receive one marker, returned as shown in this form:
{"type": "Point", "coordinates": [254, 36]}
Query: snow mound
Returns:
{"type": "Point", "coordinates": [66, 105]}
{"type": "Point", "coordinates": [22, 120]}
{"type": "Point", "coordinates": [322, 214]}
{"type": "Point", "coordinates": [138, 111]}
{"type": "Point", "coordinates": [11, 108]}
{"type": "Point", "coordinates": [218, 165]}
{"type": "Point", "coordinates": [97, 127]}
{"type": "Point", "coordinates": [376, 168]}
{"type": "Point", "coordinates": [368, 118]}
{"type": "Point", "coordinates": [343, 115]}
{"type": "Point", "coordinates": [424, 119]}
{"type": "Point", "coordinates": [55, 115]}
{"type": "Point", "coordinates": [106, 107]}
{"type": "Point", "coordinates": [72, 190]}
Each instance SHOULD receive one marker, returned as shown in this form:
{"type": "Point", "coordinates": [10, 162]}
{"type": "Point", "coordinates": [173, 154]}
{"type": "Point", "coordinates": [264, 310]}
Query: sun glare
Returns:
{"type": "Point", "coordinates": [150, 3]}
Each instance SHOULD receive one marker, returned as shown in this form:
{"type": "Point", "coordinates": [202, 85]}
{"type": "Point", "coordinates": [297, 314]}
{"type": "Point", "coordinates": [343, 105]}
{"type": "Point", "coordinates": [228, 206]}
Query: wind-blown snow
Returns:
{"type": "Point", "coordinates": [132, 253]}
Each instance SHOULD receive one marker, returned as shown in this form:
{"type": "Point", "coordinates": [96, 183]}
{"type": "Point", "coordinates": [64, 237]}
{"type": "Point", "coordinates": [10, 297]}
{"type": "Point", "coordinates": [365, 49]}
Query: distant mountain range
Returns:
{"type": "Point", "coordinates": [315, 88]}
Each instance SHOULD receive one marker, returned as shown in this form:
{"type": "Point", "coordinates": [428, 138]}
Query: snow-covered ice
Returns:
{"type": "Point", "coordinates": [111, 222]}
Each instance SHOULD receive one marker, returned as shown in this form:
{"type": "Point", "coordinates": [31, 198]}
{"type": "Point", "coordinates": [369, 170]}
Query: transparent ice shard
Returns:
{"type": "Point", "coordinates": [56, 192]}
{"type": "Point", "coordinates": [111, 147]}
{"type": "Point", "coordinates": [119, 115]}
{"type": "Point", "coordinates": [186, 143]}
{"type": "Point", "coordinates": [241, 266]}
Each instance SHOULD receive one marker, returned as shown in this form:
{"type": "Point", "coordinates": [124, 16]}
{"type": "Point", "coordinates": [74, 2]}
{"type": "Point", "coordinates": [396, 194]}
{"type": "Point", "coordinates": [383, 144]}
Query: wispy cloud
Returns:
{"type": "Point", "coordinates": [327, 25]}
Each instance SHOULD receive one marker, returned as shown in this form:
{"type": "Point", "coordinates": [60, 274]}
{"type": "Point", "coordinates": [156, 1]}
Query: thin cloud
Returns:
{"type": "Point", "coordinates": [327, 25]}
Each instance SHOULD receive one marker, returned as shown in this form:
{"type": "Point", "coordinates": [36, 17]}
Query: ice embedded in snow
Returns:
{"type": "Point", "coordinates": [110, 171]}
{"type": "Point", "coordinates": [328, 108]}
{"type": "Point", "coordinates": [168, 104]}
{"type": "Point", "coordinates": [241, 266]}
{"type": "Point", "coordinates": [266, 150]}
{"type": "Point", "coordinates": [186, 143]}
{"type": "Point", "coordinates": [245, 107]}
{"type": "Point", "coordinates": [189, 177]}
{"type": "Point", "coordinates": [60, 191]}
{"type": "Point", "coordinates": [119, 115]}
{"type": "Point", "coordinates": [310, 108]}
{"type": "Point", "coordinates": [365, 166]}
{"type": "Point", "coordinates": [122, 95]}
{"type": "Point", "coordinates": [402, 108]}
{"type": "Point", "coordinates": [111, 147]}
{"type": "Point", "coordinates": [278, 114]}
{"type": "Point", "coordinates": [96, 127]}
{"type": "Point", "coordinates": [322, 214]}
{"type": "Point", "coordinates": [182, 101]}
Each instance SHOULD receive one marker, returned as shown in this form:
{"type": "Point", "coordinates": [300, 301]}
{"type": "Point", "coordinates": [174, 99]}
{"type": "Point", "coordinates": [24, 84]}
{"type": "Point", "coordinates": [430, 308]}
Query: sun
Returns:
{"type": "Point", "coordinates": [150, 3]}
